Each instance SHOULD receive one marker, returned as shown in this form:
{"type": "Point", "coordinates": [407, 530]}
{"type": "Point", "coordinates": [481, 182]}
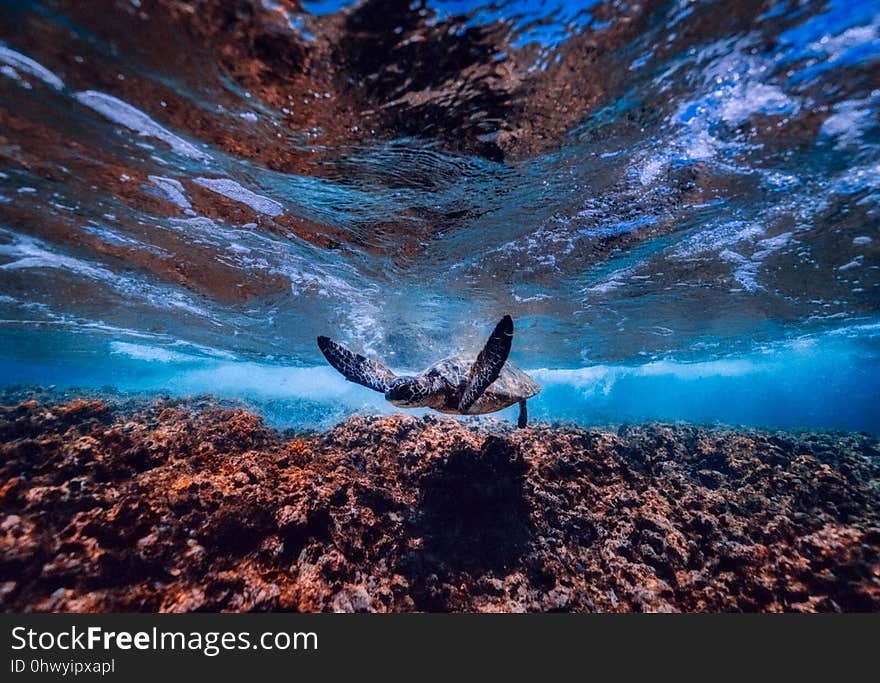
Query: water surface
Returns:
{"type": "Point", "coordinates": [678, 202]}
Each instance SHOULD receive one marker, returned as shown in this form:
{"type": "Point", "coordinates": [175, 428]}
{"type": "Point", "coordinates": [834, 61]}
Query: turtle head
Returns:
{"type": "Point", "coordinates": [408, 392]}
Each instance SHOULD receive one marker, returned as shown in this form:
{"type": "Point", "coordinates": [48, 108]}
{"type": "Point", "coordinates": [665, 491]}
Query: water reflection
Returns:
{"type": "Point", "coordinates": [629, 181]}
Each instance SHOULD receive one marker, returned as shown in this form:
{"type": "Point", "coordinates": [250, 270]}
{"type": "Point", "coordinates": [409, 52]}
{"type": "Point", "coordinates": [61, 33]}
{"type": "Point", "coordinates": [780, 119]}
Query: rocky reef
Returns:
{"type": "Point", "coordinates": [179, 507]}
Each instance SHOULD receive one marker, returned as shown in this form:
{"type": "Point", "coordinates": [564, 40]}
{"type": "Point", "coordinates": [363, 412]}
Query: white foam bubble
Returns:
{"type": "Point", "coordinates": [849, 122]}
{"type": "Point", "coordinates": [745, 270]}
{"type": "Point", "coordinates": [715, 238]}
{"type": "Point", "coordinates": [600, 379]}
{"type": "Point", "coordinates": [651, 170]}
{"type": "Point", "coordinates": [855, 263]}
{"type": "Point", "coordinates": [696, 370]}
{"type": "Point", "coordinates": [741, 102]}
{"type": "Point", "coordinates": [111, 237]}
{"type": "Point", "coordinates": [9, 72]}
{"type": "Point", "coordinates": [735, 87]}
{"type": "Point", "coordinates": [27, 65]}
{"type": "Point", "coordinates": [29, 253]}
{"type": "Point", "coordinates": [149, 353]}
{"type": "Point", "coordinates": [134, 119]}
{"type": "Point", "coordinates": [172, 189]}
{"type": "Point", "coordinates": [233, 190]}
{"type": "Point", "coordinates": [611, 282]}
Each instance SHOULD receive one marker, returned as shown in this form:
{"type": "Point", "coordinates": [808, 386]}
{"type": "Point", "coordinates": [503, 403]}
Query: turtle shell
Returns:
{"type": "Point", "coordinates": [511, 386]}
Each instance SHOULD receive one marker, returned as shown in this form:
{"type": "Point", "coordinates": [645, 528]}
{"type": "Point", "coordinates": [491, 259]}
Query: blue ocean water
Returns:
{"type": "Point", "coordinates": [694, 235]}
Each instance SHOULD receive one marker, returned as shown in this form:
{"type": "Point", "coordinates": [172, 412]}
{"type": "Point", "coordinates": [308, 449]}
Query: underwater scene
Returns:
{"type": "Point", "coordinates": [240, 240]}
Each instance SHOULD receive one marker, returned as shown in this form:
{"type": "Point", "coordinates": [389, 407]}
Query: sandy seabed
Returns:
{"type": "Point", "coordinates": [184, 506]}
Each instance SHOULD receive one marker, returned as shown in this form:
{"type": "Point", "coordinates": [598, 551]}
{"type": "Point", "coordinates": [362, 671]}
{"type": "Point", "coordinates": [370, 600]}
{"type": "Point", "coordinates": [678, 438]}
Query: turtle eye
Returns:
{"type": "Point", "coordinates": [400, 390]}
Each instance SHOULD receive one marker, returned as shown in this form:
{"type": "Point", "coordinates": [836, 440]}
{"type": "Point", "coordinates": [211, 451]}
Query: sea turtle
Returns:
{"type": "Point", "coordinates": [454, 385]}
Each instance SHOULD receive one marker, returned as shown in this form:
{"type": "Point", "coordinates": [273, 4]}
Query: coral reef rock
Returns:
{"type": "Point", "coordinates": [175, 506]}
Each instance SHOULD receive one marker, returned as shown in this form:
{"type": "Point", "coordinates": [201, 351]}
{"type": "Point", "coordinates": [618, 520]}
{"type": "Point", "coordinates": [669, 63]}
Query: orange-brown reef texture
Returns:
{"type": "Point", "coordinates": [187, 506]}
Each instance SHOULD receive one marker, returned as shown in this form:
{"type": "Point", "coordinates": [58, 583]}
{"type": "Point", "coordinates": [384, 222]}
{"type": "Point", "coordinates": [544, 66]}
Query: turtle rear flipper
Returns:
{"type": "Point", "coordinates": [356, 368]}
{"type": "Point", "coordinates": [487, 367]}
{"type": "Point", "coordinates": [523, 415]}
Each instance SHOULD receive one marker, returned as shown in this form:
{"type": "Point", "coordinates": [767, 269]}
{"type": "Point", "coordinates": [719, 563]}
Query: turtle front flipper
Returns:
{"type": "Point", "coordinates": [356, 368]}
{"type": "Point", "coordinates": [487, 367]}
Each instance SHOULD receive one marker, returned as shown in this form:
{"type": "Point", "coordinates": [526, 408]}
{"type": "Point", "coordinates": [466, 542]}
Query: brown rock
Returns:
{"type": "Point", "coordinates": [176, 509]}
